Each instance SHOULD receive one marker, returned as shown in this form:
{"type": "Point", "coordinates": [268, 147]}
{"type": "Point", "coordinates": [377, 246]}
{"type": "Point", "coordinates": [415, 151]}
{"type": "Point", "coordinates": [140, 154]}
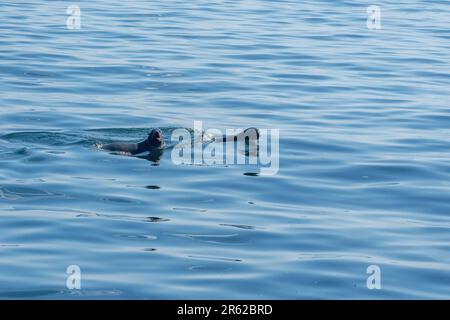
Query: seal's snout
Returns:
{"type": "Point", "coordinates": [158, 135]}
{"type": "Point", "coordinates": [156, 138]}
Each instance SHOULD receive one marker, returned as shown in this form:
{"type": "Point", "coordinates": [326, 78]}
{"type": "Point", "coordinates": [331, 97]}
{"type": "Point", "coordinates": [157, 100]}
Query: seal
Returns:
{"type": "Point", "coordinates": [247, 135]}
{"type": "Point", "coordinates": [155, 140]}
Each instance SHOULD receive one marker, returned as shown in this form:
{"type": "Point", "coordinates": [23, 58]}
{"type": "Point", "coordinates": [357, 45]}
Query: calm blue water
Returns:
{"type": "Point", "coordinates": [364, 119]}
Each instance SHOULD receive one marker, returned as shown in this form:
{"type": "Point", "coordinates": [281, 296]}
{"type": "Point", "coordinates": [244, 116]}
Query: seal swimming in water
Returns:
{"type": "Point", "coordinates": [155, 140]}
{"type": "Point", "coordinates": [249, 133]}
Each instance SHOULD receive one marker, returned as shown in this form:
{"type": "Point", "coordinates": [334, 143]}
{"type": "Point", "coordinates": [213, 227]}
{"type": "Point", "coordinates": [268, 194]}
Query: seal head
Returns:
{"type": "Point", "coordinates": [155, 139]}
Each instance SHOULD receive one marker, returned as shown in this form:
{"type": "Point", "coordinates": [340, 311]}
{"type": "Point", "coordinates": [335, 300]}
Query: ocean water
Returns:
{"type": "Point", "coordinates": [364, 149]}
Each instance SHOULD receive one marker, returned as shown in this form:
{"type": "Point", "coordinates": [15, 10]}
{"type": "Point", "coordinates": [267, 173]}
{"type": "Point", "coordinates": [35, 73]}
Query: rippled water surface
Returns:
{"type": "Point", "coordinates": [364, 121]}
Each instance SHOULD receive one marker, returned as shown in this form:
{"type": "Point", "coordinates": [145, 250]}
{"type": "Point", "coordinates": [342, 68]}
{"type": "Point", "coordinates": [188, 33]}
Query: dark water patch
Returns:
{"type": "Point", "coordinates": [156, 219]}
{"type": "Point", "coordinates": [212, 258]}
{"type": "Point", "coordinates": [135, 236]}
{"type": "Point", "coordinates": [14, 154]}
{"type": "Point", "coordinates": [123, 217]}
{"type": "Point", "coordinates": [153, 187]}
{"type": "Point", "coordinates": [120, 200]}
{"type": "Point", "coordinates": [23, 151]}
{"type": "Point", "coordinates": [239, 226]}
{"type": "Point", "coordinates": [251, 174]}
